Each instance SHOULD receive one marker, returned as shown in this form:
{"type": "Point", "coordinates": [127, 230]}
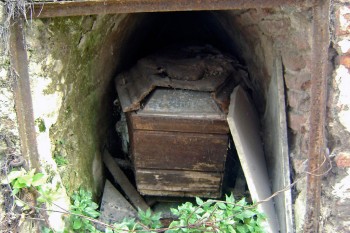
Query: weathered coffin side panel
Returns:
{"type": "Point", "coordinates": [185, 183]}
{"type": "Point", "coordinates": [179, 151]}
{"type": "Point", "coordinates": [163, 123]}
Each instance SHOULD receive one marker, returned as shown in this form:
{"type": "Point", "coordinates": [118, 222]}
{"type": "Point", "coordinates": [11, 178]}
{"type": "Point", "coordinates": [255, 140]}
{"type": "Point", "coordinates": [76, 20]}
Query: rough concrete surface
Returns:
{"type": "Point", "coordinates": [114, 207]}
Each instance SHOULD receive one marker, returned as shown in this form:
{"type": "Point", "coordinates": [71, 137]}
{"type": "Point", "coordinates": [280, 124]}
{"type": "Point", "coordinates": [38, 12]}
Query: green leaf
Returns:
{"type": "Point", "coordinates": [174, 211]}
{"type": "Point", "coordinates": [77, 224]}
{"type": "Point", "coordinates": [93, 205]}
{"type": "Point", "coordinates": [15, 191]}
{"type": "Point", "coordinates": [38, 179]}
{"type": "Point", "coordinates": [248, 214]}
{"type": "Point", "coordinates": [148, 213]}
{"type": "Point", "coordinates": [231, 229]}
{"type": "Point", "coordinates": [242, 202]}
{"type": "Point", "coordinates": [12, 176]}
{"type": "Point", "coordinates": [241, 229]}
{"type": "Point", "coordinates": [230, 198]}
{"type": "Point", "coordinates": [19, 185]}
{"type": "Point", "coordinates": [250, 228]}
{"type": "Point", "coordinates": [221, 205]}
{"type": "Point", "coordinates": [26, 180]}
{"type": "Point", "coordinates": [108, 230]}
{"type": "Point", "coordinates": [199, 201]}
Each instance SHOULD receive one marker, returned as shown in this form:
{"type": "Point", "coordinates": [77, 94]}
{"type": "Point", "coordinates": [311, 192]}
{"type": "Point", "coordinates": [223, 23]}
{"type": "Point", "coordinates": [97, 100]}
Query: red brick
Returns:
{"type": "Point", "coordinates": [300, 40]}
{"type": "Point", "coordinates": [299, 81]}
{"type": "Point", "coordinates": [345, 61]}
{"type": "Point", "coordinates": [297, 100]}
{"type": "Point", "coordinates": [342, 29]}
{"type": "Point", "coordinates": [293, 61]}
{"type": "Point", "coordinates": [343, 160]}
{"type": "Point", "coordinates": [275, 27]}
{"type": "Point", "coordinates": [296, 121]}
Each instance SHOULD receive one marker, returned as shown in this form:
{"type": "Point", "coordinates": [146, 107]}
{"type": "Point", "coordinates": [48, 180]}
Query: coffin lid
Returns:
{"type": "Point", "coordinates": [197, 68]}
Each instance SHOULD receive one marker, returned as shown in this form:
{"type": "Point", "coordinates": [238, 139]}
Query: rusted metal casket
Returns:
{"type": "Point", "coordinates": [176, 101]}
{"type": "Point", "coordinates": [179, 144]}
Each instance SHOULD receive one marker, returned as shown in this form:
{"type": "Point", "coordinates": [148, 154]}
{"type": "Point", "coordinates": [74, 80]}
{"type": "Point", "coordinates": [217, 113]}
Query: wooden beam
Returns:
{"type": "Point", "coordinates": [123, 181]}
{"type": "Point", "coordinates": [74, 8]}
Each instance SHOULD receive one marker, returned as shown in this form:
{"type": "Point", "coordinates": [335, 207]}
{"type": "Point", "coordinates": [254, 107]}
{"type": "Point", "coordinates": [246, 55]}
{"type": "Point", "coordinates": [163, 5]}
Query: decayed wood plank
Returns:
{"type": "Point", "coordinates": [182, 151]}
{"type": "Point", "coordinates": [124, 182]}
{"type": "Point", "coordinates": [188, 183]}
{"type": "Point", "coordinates": [181, 194]}
{"type": "Point", "coordinates": [183, 124]}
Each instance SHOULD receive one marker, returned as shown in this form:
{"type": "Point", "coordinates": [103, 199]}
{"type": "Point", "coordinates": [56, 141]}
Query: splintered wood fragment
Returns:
{"type": "Point", "coordinates": [119, 177]}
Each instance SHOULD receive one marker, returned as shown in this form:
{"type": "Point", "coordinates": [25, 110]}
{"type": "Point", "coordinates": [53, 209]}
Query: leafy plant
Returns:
{"type": "Point", "coordinates": [40, 124]}
{"type": "Point", "coordinates": [23, 179]}
{"type": "Point", "coordinates": [82, 205]}
{"type": "Point", "coordinates": [31, 181]}
{"type": "Point", "coordinates": [204, 216]}
{"type": "Point", "coordinates": [57, 154]}
{"type": "Point", "coordinates": [60, 160]}
{"type": "Point", "coordinates": [152, 221]}
{"type": "Point", "coordinates": [217, 216]}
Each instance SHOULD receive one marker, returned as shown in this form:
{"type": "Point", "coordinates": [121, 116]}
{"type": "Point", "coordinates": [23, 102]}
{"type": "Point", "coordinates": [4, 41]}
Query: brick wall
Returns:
{"type": "Point", "coordinates": [335, 208]}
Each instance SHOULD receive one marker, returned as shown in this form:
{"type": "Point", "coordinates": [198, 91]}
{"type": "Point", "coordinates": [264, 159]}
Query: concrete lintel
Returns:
{"type": "Point", "coordinates": [46, 9]}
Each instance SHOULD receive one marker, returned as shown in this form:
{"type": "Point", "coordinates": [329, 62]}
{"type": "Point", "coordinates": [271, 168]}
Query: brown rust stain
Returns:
{"type": "Point", "coordinates": [72, 8]}
{"type": "Point", "coordinates": [318, 115]}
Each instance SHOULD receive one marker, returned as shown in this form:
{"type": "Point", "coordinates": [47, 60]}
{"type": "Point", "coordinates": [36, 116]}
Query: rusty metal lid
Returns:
{"type": "Point", "coordinates": [196, 68]}
{"type": "Point", "coordinates": [177, 102]}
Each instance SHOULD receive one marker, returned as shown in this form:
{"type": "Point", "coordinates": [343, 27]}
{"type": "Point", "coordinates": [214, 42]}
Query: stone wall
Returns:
{"type": "Point", "coordinates": [72, 62]}
{"type": "Point", "coordinates": [261, 35]}
{"type": "Point", "coordinates": [336, 185]}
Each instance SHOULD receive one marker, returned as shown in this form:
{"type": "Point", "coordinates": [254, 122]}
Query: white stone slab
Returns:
{"type": "Point", "coordinates": [245, 129]}
{"type": "Point", "coordinates": [276, 147]}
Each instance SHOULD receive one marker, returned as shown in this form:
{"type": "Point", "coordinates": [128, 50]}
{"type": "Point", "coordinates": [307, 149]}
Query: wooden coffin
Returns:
{"type": "Point", "coordinates": [179, 144]}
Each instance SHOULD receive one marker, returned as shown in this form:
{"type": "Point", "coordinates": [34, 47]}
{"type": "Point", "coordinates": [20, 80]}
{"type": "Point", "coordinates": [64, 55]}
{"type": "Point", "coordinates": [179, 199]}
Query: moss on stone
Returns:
{"type": "Point", "coordinates": [76, 42]}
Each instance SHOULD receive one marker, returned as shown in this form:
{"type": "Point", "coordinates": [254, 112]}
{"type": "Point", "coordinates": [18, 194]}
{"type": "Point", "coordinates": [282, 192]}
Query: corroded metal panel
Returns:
{"type": "Point", "coordinates": [186, 159]}
{"type": "Point", "coordinates": [180, 111]}
{"type": "Point", "coordinates": [46, 9]}
{"type": "Point", "coordinates": [198, 68]}
{"type": "Point", "coordinates": [180, 151]}
{"type": "Point", "coordinates": [179, 183]}
{"type": "Point", "coordinates": [317, 152]}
